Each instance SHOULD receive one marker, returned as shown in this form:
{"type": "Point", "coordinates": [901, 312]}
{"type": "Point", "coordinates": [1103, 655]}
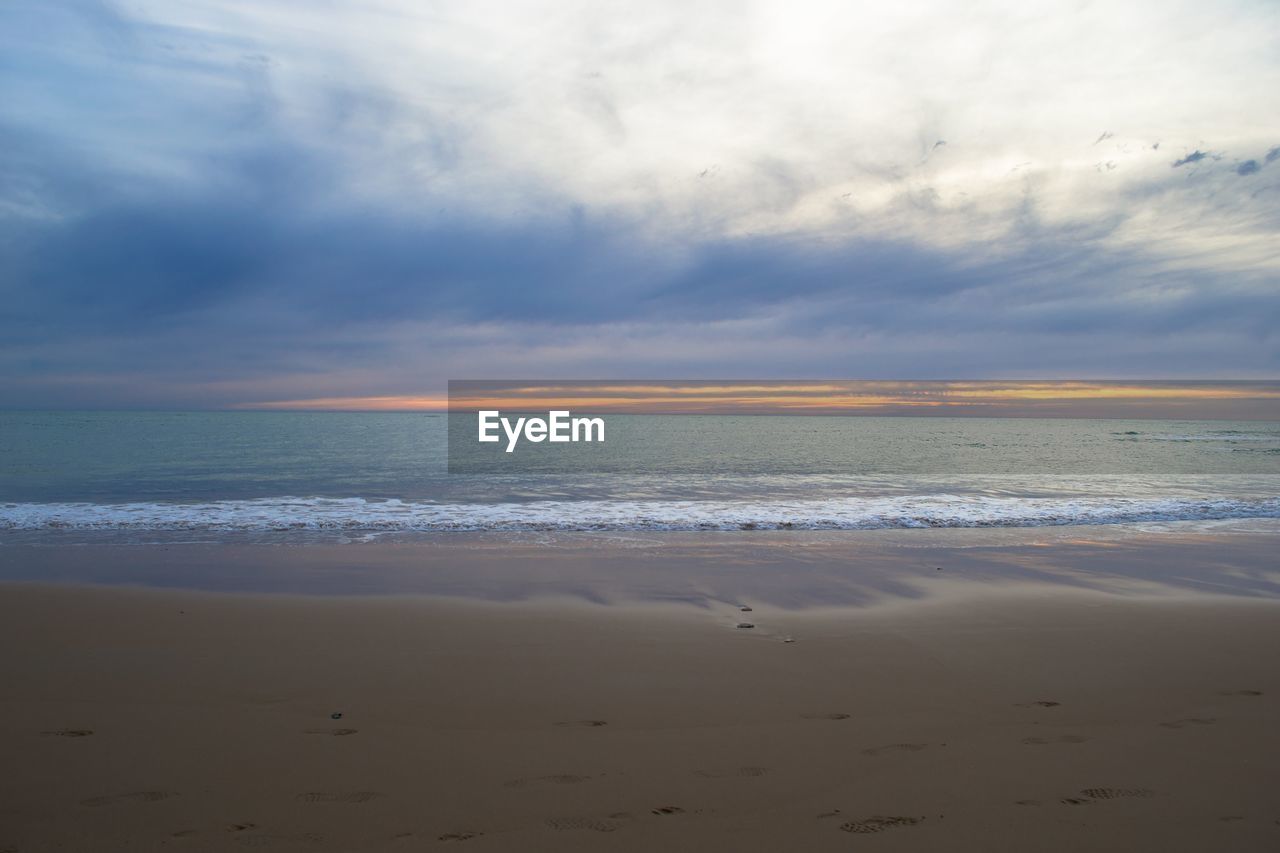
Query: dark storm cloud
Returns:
{"type": "Point", "coordinates": [239, 286]}
{"type": "Point", "coordinates": [1248, 167]}
{"type": "Point", "coordinates": [1273, 154]}
{"type": "Point", "coordinates": [256, 252]}
{"type": "Point", "coordinates": [1194, 157]}
{"type": "Point", "coordinates": [131, 267]}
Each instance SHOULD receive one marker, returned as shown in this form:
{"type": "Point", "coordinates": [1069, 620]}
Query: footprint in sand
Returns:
{"type": "Point", "coordinates": [131, 797]}
{"type": "Point", "coordinates": [896, 747]}
{"type": "Point", "coordinates": [338, 796]}
{"type": "Point", "coordinates": [594, 824]}
{"type": "Point", "coordinates": [1114, 793]}
{"type": "Point", "coordinates": [1026, 802]}
{"type": "Point", "coordinates": [559, 779]}
{"type": "Point", "coordinates": [879, 823]}
{"type": "Point", "coordinates": [586, 724]}
{"type": "Point", "coordinates": [1091, 795]}
{"type": "Point", "coordinates": [459, 836]}
{"type": "Point", "coordinates": [68, 733]}
{"type": "Point", "coordinates": [666, 810]}
{"type": "Point", "coordinates": [1040, 703]}
{"type": "Point", "coordinates": [330, 732]}
{"type": "Point", "coordinates": [1058, 739]}
{"type": "Point", "coordinates": [835, 716]}
{"type": "Point", "coordinates": [1189, 721]}
{"type": "Point", "coordinates": [239, 827]}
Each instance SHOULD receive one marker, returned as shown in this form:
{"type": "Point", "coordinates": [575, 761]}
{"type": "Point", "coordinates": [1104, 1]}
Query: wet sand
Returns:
{"type": "Point", "coordinates": [793, 570]}
{"type": "Point", "coordinates": [1026, 717]}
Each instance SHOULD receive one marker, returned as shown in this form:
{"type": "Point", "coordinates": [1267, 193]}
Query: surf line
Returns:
{"type": "Point", "coordinates": [558, 426]}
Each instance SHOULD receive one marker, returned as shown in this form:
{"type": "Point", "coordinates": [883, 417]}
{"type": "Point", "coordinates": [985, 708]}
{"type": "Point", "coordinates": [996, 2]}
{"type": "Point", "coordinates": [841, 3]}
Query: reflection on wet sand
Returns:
{"type": "Point", "coordinates": [790, 571]}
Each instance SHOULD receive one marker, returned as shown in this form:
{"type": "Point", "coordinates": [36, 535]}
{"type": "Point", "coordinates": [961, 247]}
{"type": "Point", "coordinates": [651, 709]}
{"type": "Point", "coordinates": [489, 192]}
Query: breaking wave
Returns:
{"type": "Point", "coordinates": [360, 515]}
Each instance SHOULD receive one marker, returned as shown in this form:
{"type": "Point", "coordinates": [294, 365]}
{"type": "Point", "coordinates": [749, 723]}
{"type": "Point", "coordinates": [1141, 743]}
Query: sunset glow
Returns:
{"type": "Point", "coordinates": [963, 398]}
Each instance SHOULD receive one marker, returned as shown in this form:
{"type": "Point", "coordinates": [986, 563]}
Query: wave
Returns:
{"type": "Point", "coordinates": [853, 513]}
{"type": "Point", "coordinates": [1228, 436]}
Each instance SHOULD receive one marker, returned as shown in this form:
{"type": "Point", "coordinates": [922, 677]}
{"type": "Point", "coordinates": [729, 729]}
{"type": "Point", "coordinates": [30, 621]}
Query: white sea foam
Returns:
{"type": "Point", "coordinates": [852, 513]}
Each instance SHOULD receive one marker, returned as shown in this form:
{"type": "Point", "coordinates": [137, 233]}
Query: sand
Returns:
{"type": "Point", "coordinates": [1024, 719]}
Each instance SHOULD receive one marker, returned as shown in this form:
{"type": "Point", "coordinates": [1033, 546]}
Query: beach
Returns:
{"type": "Point", "coordinates": [612, 710]}
{"type": "Point", "coordinates": [776, 427]}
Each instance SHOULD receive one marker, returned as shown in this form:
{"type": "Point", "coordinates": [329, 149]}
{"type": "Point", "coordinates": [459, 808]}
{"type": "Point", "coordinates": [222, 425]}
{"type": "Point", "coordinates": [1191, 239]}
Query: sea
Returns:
{"type": "Point", "coordinates": [357, 476]}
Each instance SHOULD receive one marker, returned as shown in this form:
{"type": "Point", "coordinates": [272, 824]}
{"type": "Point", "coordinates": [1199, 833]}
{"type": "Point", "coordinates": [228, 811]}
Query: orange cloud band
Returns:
{"type": "Point", "coordinates": [1064, 398]}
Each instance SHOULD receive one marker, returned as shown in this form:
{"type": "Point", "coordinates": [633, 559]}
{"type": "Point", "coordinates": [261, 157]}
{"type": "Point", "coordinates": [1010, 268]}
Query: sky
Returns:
{"type": "Point", "coordinates": [220, 203]}
{"type": "Point", "coordinates": [1179, 399]}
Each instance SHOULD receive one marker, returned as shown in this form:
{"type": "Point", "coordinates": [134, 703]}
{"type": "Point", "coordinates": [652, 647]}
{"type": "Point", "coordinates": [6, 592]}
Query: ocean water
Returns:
{"type": "Point", "coordinates": [356, 475]}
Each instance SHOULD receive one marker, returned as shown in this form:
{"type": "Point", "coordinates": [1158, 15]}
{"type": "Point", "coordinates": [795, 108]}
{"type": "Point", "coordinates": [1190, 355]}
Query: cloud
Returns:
{"type": "Point", "coordinates": [207, 204]}
{"type": "Point", "coordinates": [1194, 157]}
